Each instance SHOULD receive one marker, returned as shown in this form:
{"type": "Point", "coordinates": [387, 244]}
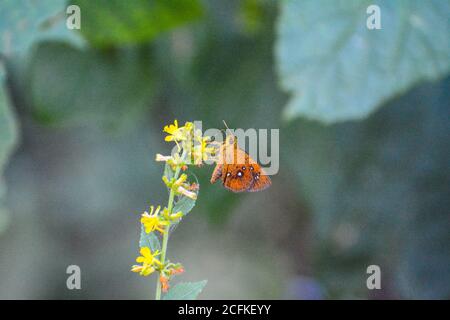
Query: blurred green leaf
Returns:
{"type": "Point", "coordinates": [252, 15]}
{"type": "Point", "coordinates": [149, 240]}
{"type": "Point", "coordinates": [23, 22]}
{"type": "Point", "coordinates": [378, 190]}
{"type": "Point", "coordinates": [337, 69]}
{"type": "Point", "coordinates": [203, 78]}
{"type": "Point", "coordinates": [230, 85]}
{"type": "Point", "coordinates": [8, 140]}
{"type": "Point", "coordinates": [72, 86]}
{"type": "Point", "coordinates": [8, 126]}
{"type": "Point", "coordinates": [185, 291]}
{"type": "Point", "coordinates": [114, 22]}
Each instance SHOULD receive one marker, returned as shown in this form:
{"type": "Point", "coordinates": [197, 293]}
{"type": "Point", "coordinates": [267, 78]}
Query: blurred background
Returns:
{"type": "Point", "coordinates": [364, 145]}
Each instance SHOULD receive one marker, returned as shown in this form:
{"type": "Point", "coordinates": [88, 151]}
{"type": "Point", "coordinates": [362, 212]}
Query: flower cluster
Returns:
{"type": "Point", "coordinates": [197, 148]}
{"type": "Point", "coordinates": [191, 148]}
{"type": "Point", "coordinates": [156, 220]}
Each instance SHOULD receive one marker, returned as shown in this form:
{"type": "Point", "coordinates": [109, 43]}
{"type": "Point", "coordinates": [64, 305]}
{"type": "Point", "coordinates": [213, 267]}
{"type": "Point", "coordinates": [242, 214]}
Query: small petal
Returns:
{"type": "Point", "coordinates": [136, 268]}
{"type": "Point", "coordinates": [189, 194]}
{"type": "Point", "coordinates": [145, 251]}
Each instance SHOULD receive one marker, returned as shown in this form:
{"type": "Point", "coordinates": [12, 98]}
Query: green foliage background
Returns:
{"type": "Point", "coordinates": [363, 117]}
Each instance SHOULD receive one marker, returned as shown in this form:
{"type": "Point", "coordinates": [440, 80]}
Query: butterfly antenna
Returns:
{"type": "Point", "coordinates": [226, 126]}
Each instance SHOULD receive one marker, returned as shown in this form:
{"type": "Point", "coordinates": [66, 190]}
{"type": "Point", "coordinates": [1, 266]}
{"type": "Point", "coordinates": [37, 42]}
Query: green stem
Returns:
{"type": "Point", "coordinates": [166, 231]}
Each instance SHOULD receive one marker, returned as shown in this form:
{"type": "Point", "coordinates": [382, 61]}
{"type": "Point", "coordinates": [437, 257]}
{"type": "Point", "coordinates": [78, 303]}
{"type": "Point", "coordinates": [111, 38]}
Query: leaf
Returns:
{"type": "Point", "coordinates": [8, 140]}
{"type": "Point", "coordinates": [185, 291]}
{"type": "Point", "coordinates": [149, 240]}
{"type": "Point", "coordinates": [23, 22]}
{"type": "Point", "coordinates": [70, 86]}
{"type": "Point", "coordinates": [168, 172]}
{"type": "Point", "coordinates": [388, 175]}
{"type": "Point", "coordinates": [8, 126]}
{"type": "Point", "coordinates": [337, 69]}
{"type": "Point", "coordinates": [115, 22]}
{"type": "Point", "coordinates": [185, 205]}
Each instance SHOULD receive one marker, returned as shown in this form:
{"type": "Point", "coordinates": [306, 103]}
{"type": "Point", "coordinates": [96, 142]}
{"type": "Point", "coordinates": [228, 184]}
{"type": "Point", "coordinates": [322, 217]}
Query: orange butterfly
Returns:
{"type": "Point", "coordinates": [237, 170]}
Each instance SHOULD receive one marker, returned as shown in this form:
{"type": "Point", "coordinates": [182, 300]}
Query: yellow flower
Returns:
{"type": "Point", "coordinates": [172, 217]}
{"type": "Point", "coordinates": [203, 150]}
{"type": "Point", "coordinates": [147, 257]}
{"type": "Point", "coordinates": [144, 270]}
{"type": "Point", "coordinates": [174, 132]}
{"type": "Point", "coordinates": [180, 180]}
{"type": "Point", "coordinates": [188, 126]}
{"type": "Point", "coordinates": [178, 133]}
{"type": "Point", "coordinates": [153, 221]}
{"type": "Point", "coordinates": [148, 260]}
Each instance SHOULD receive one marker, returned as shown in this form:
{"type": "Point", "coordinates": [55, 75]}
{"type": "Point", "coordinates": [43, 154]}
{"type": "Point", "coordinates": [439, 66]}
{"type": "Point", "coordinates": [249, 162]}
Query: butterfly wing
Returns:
{"type": "Point", "coordinates": [217, 173]}
{"type": "Point", "coordinates": [261, 181]}
{"type": "Point", "coordinates": [236, 178]}
{"type": "Point", "coordinates": [238, 171]}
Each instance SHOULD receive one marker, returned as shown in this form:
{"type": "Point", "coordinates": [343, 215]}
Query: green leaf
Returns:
{"type": "Point", "coordinates": [350, 176]}
{"type": "Point", "coordinates": [70, 86]}
{"type": "Point", "coordinates": [337, 69]}
{"type": "Point", "coordinates": [168, 172]}
{"type": "Point", "coordinates": [8, 126]}
{"type": "Point", "coordinates": [23, 22]}
{"type": "Point", "coordinates": [184, 205]}
{"type": "Point", "coordinates": [149, 240]}
{"type": "Point", "coordinates": [8, 140]}
{"type": "Point", "coordinates": [116, 22]}
{"type": "Point", "coordinates": [185, 291]}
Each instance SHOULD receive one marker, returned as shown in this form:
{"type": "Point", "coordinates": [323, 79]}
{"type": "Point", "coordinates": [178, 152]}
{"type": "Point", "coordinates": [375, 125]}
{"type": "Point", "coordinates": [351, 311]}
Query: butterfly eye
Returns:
{"type": "Point", "coordinates": [251, 168]}
{"type": "Point", "coordinates": [243, 168]}
{"type": "Point", "coordinates": [239, 174]}
{"type": "Point", "coordinates": [228, 174]}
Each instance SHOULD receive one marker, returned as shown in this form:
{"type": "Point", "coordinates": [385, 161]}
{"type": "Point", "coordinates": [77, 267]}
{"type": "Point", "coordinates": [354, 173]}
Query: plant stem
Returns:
{"type": "Point", "coordinates": [166, 231]}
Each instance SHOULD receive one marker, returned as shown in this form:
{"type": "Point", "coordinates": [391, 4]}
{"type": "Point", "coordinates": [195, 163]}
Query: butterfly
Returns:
{"type": "Point", "coordinates": [237, 170]}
